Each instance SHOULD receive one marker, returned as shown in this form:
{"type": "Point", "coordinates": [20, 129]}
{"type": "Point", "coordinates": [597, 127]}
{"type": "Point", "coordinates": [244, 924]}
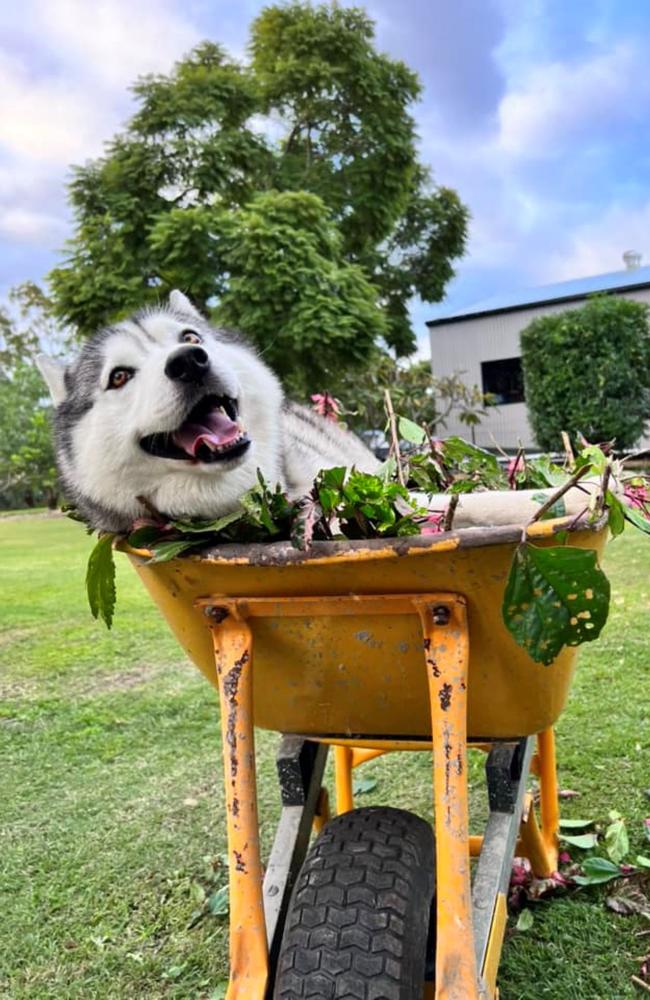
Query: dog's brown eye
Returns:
{"type": "Point", "coordinates": [190, 337]}
{"type": "Point", "coordinates": [119, 377]}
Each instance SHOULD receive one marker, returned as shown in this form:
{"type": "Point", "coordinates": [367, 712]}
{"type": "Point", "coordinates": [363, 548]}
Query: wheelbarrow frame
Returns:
{"type": "Point", "coordinates": [470, 913]}
{"type": "Point", "coordinates": [469, 921]}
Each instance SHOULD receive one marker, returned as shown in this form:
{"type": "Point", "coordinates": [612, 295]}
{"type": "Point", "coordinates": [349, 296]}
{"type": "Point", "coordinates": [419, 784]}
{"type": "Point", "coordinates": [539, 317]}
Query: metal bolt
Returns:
{"type": "Point", "coordinates": [216, 613]}
{"type": "Point", "coordinates": [441, 614]}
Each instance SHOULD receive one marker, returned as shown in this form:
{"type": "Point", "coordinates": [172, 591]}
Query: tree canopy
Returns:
{"type": "Point", "coordinates": [27, 469]}
{"type": "Point", "coordinates": [302, 159]}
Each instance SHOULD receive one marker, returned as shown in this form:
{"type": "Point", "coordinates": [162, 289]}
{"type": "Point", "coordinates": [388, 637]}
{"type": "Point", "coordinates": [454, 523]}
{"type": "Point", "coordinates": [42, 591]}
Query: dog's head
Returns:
{"type": "Point", "coordinates": [165, 406]}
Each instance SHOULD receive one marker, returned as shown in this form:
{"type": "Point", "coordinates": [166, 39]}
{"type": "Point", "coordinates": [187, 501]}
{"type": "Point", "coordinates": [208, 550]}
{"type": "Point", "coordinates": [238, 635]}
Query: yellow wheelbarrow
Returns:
{"type": "Point", "coordinates": [369, 647]}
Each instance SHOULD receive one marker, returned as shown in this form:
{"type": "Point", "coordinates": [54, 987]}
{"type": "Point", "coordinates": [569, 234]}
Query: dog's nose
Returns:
{"type": "Point", "coordinates": [187, 364]}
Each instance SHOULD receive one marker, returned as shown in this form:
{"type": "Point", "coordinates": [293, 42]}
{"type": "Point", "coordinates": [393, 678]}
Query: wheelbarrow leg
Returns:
{"type": "Point", "coordinates": [343, 779]}
{"type": "Point", "coordinates": [446, 645]}
{"type": "Point", "coordinates": [248, 948]}
{"type": "Point", "coordinates": [541, 845]}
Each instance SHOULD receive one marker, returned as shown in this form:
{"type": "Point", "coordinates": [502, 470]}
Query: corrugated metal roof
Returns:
{"type": "Point", "coordinates": [577, 288]}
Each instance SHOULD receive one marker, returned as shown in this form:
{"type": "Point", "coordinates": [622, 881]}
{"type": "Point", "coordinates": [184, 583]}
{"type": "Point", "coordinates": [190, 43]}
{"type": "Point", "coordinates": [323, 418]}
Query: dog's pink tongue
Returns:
{"type": "Point", "coordinates": [215, 430]}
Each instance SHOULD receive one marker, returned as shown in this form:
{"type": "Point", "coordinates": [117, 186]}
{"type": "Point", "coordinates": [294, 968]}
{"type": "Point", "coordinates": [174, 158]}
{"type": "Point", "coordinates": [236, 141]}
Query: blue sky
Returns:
{"type": "Point", "coordinates": [536, 112]}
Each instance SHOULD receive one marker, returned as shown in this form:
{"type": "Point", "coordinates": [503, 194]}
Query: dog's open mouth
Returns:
{"type": "Point", "coordinates": [209, 433]}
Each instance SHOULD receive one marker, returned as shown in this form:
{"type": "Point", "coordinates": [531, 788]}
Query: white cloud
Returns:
{"type": "Point", "coordinates": [26, 226]}
{"type": "Point", "coordinates": [45, 121]}
{"type": "Point", "coordinates": [597, 247]}
{"type": "Point", "coordinates": [559, 102]}
{"type": "Point", "coordinates": [75, 97]}
{"type": "Point", "coordinates": [113, 41]}
{"type": "Point", "coordinates": [63, 93]}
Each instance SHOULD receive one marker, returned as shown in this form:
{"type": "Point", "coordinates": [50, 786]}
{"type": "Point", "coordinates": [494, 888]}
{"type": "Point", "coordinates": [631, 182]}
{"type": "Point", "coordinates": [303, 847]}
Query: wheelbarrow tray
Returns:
{"type": "Point", "coordinates": [362, 677]}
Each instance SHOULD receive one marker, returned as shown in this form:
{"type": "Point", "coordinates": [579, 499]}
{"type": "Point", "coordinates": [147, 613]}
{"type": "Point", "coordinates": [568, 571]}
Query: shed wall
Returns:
{"type": "Point", "coordinates": [463, 345]}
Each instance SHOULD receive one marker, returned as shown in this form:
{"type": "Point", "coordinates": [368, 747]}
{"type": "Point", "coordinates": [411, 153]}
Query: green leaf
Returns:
{"type": "Point", "coordinates": [594, 456]}
{"type": "Point", "coordinates": [411, 431]}
{"type": "Point", "coordinates": [361, 786]}
{"type": "Point", "coordinates": [525, 920]}
{"type": "Point", "coordinates": [100, 580]}
{"type": "Point", "coordinates": [543, 472]}
{"type": "Point", "coordinates": [585, 841]}
{"type": "Point", "coordinates": [164, 551]}
{"type": "Point", "coordinates": [556, 596]}
{"type": "Point", "coordinates": [142, 537]}
{"type": "Point", "coordinates": [616, 519]}
{"type": "Point", "coordinates": [208, 527]}
{"type": "Point", "coordinates": [642, 861]}
{"type": "Point", "coordinates": [636, 518]}
{"type": "Point", "coordinates": [575, 824]}
{"type": "Point", "coordinates": [333, 479]}
{"type": "Point", "coordinates": [617, 843]}
{"type": "Point", "coordinates": [388, 469]}
{"type": "Point", "coordinates": [597, 870]}
{"type": "Point", "coordinates": [218, 905]}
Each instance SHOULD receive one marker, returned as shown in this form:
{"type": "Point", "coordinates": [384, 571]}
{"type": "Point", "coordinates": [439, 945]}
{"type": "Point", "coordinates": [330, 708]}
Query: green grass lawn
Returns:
{"type": "Point", "coordinates": [112, 814]}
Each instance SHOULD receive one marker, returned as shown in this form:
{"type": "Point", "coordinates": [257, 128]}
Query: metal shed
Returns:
{"type": "Point", "coordinates": [482, 342]}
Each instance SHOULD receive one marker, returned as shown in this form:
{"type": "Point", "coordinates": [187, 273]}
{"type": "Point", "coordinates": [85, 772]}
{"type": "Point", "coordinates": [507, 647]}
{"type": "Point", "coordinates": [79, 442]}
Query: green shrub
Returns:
{"type": "Point", "coordinates": [588, 370]}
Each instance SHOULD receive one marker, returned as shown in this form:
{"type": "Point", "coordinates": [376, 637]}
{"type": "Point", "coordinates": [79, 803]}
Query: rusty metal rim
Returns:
{"type": "Point", "coordinates": [348, 550]}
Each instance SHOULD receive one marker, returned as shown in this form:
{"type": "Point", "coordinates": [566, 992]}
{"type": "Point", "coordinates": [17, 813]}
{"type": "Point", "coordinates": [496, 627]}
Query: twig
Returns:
{"type": "Point", "coordinates": [568, 450]}
{"type": "Point", "coordinates": [512, 476]}
{"type": "Point", "coordinates": [603, 488]}
{"type": "Point", "coordinates": [640, 982]}
{"type": "Point", "coordinates": [155, 513]}
{"type": "Point", "coordinates": [554, 497]}
{"type": "Point", "coordinates": [577, 518]}
{"type": "Point", "coordinates": [449, 513]}
{"type": "Point", "coordinates": [498, 447]}
{"type": "Point", "coordinates": [392, 423]}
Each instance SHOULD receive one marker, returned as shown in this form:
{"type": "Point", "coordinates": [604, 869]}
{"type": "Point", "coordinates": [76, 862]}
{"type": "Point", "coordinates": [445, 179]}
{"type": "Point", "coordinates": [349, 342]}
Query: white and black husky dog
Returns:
{"type": "Point", "coordinates": [166, 407]}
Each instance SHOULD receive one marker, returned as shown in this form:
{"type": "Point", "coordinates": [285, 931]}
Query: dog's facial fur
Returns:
{"type": "Point", "coordinates": [102, 418]}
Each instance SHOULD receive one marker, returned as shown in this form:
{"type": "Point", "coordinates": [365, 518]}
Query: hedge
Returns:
{"type": "Point", "coordinates": [587, 371]}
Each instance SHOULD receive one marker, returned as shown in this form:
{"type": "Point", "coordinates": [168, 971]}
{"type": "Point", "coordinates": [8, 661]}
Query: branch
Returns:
{"type": "Point", "coordinates": [449, 513]}
{"type": "Point", "coordinates": [392, 423]}
{"type": "Point", "coordinates": [554, 497]}
{"type": "Point", "coordinates": [570, 457]}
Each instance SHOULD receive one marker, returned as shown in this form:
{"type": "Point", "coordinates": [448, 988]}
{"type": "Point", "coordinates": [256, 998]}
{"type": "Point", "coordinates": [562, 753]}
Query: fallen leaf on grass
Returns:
{"type": "Point", "coordinates": [585, 841]}
{"type": "Point", "coordinates": [630, 897]}
{"type": "Point", "coordinates": [361, 786]}
{"type": "Point", "coordinates": [616, 839]}
{"type": "Point", "coordinates": [569, 793]}
{"type": "Point", "coordinates": [575, 824]}
{"type": "Point", "coordinates": [597, 871]}
{"type": "Point", "coordinates": [525, 920]}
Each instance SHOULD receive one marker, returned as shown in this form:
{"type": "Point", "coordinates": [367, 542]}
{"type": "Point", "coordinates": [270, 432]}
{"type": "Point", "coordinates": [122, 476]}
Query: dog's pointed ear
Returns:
{"type": "Point", "coordinates": [53, 372]}
{"type": "Point", "coordinates": [181, 304]}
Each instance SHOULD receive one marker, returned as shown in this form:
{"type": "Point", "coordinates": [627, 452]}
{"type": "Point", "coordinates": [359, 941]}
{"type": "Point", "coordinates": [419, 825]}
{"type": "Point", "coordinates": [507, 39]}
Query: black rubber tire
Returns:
{"type": "Point", "coordinates": [359, 914]}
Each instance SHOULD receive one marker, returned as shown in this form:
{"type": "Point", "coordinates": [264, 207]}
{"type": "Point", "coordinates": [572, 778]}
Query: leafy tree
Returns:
{"type": "Point", "coordinates": [202, 171]}
{"type": "Point", "coordinates": [415, 393]}
{"type": "Point", "coordinates": [587, 371]}
{"type": "Point", "coordinates": [27, 468]}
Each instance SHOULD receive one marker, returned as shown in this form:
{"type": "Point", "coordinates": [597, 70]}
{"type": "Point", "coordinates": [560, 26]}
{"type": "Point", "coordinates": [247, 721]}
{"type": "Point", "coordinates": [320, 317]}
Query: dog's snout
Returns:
{"type": "Point", "coordinates": [187, 364]}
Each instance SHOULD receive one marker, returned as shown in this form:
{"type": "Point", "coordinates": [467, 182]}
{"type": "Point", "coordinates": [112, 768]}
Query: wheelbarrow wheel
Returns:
{"type": "Point", "coordinates": [358, 921]}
